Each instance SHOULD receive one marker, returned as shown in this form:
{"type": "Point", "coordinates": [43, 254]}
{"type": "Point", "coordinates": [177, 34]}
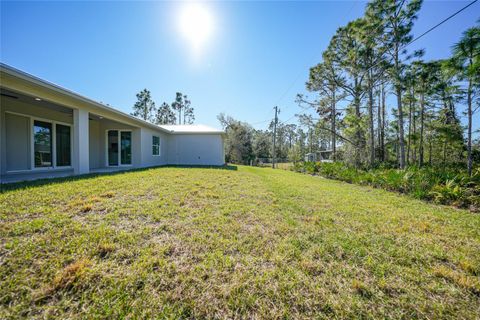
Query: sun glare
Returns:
{"type": "Point", "coordinates": [196, 25]}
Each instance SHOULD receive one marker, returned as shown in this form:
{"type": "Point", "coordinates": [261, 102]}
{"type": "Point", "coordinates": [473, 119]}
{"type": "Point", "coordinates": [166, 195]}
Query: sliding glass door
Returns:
{"type": "Point", "coordinates": [119, 145]}
{"type": "Point", "coordinates": [126, 145]}
{"type": "Point", "coordinates": [112, 148]}
{"type": "Point", "coordinates": [63, 145]}
{"type": "Point", "coordinates": [51, 144]}
{"type": "Point", "coordinates": [42, 144]}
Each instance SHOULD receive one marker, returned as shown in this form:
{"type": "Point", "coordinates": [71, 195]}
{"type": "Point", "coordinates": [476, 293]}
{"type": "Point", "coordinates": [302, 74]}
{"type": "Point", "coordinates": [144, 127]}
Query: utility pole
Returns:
{"type": "Point", "coordinates": [274, 135]}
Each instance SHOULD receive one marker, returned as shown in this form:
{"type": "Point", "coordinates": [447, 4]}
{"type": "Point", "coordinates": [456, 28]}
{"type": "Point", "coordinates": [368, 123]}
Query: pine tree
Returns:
{"type": "Point", "coordinates": [165, 115]}
{"type": "Point", "coordinates": [144, 108]}
{"type": "Point", "coordinates": [397, 18]}
{"type": "Point", "coordinates": [466, 57]}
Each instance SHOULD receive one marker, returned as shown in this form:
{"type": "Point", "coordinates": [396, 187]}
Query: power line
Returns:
{"type": "Point", "coordinates": [442, 22]}
{"type": "Point", "coordinates": [403, 47]}
{"type": "Point", "coordinates": [300, 72]}
{"type": "Point", "coordinates": [286, 121]}
{"type": "Point", "coordinates": [261, 122]}
{"type": "Point", "coordinates": [282, 96]}
{"type": "Point", "coordinates": [425, 33]}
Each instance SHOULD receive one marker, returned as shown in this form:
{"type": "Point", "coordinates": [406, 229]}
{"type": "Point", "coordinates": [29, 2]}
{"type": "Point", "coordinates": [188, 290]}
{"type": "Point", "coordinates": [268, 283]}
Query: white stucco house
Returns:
{"type": "Point", "coordinates": [49, 131]}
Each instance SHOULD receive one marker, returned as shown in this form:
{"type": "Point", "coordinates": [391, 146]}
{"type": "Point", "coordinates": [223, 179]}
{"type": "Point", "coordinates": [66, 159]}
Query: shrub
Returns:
{"type": "Point", "coordinates": [447, 193]}
{"type": "Point", "coordinates": [311, 167]}
{"type": "Point", "coordinates": [445, 186]}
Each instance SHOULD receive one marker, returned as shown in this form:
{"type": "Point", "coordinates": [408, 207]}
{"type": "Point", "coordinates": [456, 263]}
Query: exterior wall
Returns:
{"type": "Point", "coordinates": [149, 160]}
{"type": "Point", "coordinates": [18, 131]}
{"type": "Point", "coordinates": [15, 153]}
{"type": "Point", "coordinates": [196, 149]}
{"type": "Point", "coordinates": [97, 157]}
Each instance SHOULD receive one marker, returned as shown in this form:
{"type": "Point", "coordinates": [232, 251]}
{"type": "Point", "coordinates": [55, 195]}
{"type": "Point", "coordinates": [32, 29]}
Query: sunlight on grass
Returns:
{"type": "Point", "coordinates": [191, 242]}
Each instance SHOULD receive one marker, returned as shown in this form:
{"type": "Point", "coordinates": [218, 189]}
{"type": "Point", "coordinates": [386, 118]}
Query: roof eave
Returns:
{"type": "Point", "coordinates": [49, 85]}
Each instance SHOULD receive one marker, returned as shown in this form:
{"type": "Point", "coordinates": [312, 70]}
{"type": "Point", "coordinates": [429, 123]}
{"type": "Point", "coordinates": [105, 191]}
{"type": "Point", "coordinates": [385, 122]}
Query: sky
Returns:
{"type": "Point", "coordinates": [241, 58]}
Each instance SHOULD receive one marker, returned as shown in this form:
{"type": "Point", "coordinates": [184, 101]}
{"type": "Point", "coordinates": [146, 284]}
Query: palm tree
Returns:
{"type": "Point", "coordinates": [466, 55]}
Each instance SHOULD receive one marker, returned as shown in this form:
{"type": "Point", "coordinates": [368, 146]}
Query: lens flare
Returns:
{"type": "Point", "coordinates": [196, 25]}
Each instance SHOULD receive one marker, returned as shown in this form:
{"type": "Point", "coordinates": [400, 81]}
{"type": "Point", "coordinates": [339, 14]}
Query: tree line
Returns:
{"type": "Point", "coordinates": [367, 61]}
{"type": "Point", "coordinates": [246, 145]}
{"type": "Point", "coordinates": [179, 111]}
{"type": "Point", "coordinates": [376, 103]}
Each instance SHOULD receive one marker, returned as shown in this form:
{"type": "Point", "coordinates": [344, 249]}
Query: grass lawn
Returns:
{"type": "Point", "coordinates": [246, 243]}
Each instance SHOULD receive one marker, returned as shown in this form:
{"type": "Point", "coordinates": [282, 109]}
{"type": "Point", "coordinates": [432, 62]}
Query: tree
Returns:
{"type": "Point", "coordinates": [345, 52]}
{"type": "Point", "coordinates": [364, 63]}
{"type": "Point", "coordinates": [182, 105]}
{"type": "Point", "coordinates": [466, 57]}
{"type": "Point", "coordinates": [397, 18]}
{"type": "Point", "coordinates": [325, 78]}
{"type": "Point", "coordinates": [295, 154]}
{"type": "Point", "coordinates": [381, 120]}
{"type": "Point", "coordinates": [424, 75]}
{"type": "Point", "coordinates": [410, 99]}
{"type": "Point", "coordinates": [262, 144]}
{"type": "Point", "coordinates": [144, 108]}
{"type": "Point", "coordinates": [446, 124]}
{"type": "Point", "coordinates": [370, 30]}
{"type": "Point", "coordinates": [290, 134]}
{"type": "Point", "coordinates": [238, 141]}
{"type": "Point", "coordinates": [165, 115]}
{"type": "Point", "coordinates": [188, 115]}
{"type": "Point", "coordinates": [177, 105]}
{"type": "Point", "coordinates": [224, 120]}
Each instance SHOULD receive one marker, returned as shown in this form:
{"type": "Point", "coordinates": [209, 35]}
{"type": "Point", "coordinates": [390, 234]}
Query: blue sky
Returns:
{"type": "Point", "coordinates": [257, 56]}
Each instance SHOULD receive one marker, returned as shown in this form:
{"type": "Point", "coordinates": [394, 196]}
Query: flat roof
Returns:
{"type": "Point", "coordinates": [191, 128]}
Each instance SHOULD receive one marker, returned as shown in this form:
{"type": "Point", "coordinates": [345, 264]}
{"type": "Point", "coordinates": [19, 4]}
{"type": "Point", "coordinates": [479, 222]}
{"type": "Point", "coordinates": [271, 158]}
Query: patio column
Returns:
{"type": "Point", "coordinates": [81, 158]}
{"type": "Point", "coordinates": [137, 147]}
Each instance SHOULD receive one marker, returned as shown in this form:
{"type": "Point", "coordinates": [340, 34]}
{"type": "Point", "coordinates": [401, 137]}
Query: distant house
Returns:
{"type": "Point", "coordinates": [322, 156]}
{"type": "Point", "coordinates": [48, 131]}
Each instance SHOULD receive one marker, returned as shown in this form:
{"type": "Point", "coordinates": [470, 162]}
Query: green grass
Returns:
{"type": "Point", "coordinates": [252, 243]}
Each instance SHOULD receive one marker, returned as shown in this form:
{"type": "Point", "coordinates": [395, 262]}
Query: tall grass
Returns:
{"type": "Point", "coordinates": [440, 185]}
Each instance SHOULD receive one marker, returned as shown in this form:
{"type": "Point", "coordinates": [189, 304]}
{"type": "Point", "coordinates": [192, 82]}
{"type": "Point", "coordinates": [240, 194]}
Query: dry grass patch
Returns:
{"type": "Point", "coordinates": [67, 278]}
{"type": "Point", "coordinates": [470, 283]}
{"type": "Point", "coordinates": [253, 243]}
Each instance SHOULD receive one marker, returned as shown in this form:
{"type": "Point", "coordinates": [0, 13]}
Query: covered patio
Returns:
{"type": "Point", "coordinates": [44, 139]}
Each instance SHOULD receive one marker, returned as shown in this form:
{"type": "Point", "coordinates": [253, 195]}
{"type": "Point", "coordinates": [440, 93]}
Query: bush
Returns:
{"type": "Point", "coordinates": [444, 186]}
{"type": "Point", "coordinates": [311, 167]}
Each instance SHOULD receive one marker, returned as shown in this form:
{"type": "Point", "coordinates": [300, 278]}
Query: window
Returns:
{"type": "Point", "coordinates": [42, 139]}
{"type": "Point", "coordinates": [155, 145]}
{"type": "Point", "coordinates": [63, 145]}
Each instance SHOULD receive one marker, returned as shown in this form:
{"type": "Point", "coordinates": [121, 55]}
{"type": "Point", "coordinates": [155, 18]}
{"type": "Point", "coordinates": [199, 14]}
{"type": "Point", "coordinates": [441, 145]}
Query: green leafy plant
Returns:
{"type": "Point", "coordinates": [444, 186]}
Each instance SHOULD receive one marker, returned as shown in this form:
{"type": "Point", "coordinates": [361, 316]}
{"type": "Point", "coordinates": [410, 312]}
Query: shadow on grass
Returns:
{"type": "Point", "coordinates": [48, 181]}
{"type": "Point", "coordinates": [224, 167]}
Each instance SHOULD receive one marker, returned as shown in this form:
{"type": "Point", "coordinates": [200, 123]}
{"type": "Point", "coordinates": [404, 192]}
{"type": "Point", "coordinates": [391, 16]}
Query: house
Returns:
{"type": "Point", "coordinates": [49, 131]}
